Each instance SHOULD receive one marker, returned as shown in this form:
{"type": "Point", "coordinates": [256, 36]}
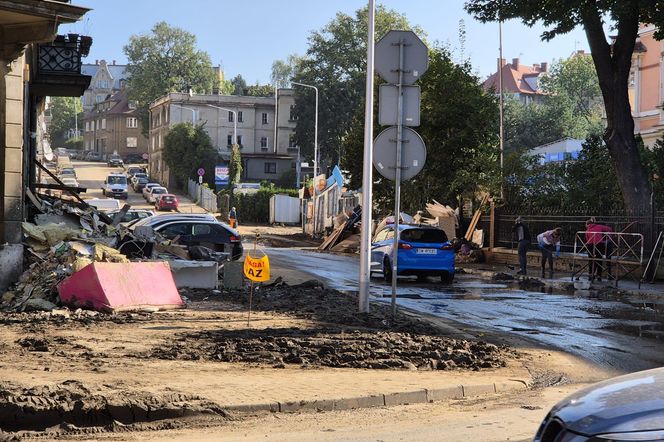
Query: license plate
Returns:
{"type": "Point", "coordinates": [426, 251]}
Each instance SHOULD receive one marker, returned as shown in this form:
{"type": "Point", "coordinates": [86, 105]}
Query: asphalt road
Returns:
{"type": "Point", "coordinates": [622, 332]}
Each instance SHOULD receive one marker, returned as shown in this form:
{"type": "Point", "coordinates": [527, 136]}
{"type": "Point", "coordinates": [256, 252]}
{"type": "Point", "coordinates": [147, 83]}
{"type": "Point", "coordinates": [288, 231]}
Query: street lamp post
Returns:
{"type": "Point", "coordinates": [313, 232]}
{"type": "Point", "coordinates": [234, 120]}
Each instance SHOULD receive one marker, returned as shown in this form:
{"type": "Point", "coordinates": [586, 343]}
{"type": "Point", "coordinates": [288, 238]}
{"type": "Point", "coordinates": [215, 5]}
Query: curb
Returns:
{"type": "Point", "coordinates": [420, 396]}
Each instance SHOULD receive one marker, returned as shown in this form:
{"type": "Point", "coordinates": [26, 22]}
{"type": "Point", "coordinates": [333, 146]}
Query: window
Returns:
{"type": "Point", "coordinates": [264, 142]}
{"type": "Point", "coordinates": [132, 142]}
{"type": "Point", "coordinates": [230, 140]}
{"type": "Point", "coordinates": [175, 230]}
{"type": "Point", "coordinates": [103, 123]}
{"type": "Point", "coordinates": [132, 122]}
{"type": "Point", "coordinates": [131, 104]}
{"type": "Point", "coordinates": [99, 98]}
{"type": "Point", "coordinates": [270, 168]}
{"type": "Point", "coordinates": [291, 140]}
{"type": "Point", "coordinates": [424, 235]}
{"type": "Point", "coordinates": [102, 84]}
{"type": "Point", "coordinates": [87, 126]}
{"type": "Point", "coordinates": [264, 118]}
{"type": "Point", "coordinates": [231, 117]}
{"type": "Point", "coordinates": [292, 116]}
{"type": "Point", "coordinates": [239, 117]}
{"type": "Point", "coordinates": [239, 140]}
{"type": "Point", "coordinates": [202, 229]}
{"type": "Point", "coordinates": [382, 235]}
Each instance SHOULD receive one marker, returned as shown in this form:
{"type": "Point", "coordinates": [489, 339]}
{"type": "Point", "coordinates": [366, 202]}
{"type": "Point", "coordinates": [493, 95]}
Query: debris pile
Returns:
{"type": "Point", "coordinates": [346, 236]}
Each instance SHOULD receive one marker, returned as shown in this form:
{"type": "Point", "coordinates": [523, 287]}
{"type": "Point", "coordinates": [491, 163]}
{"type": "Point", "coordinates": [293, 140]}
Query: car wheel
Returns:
{"type": "Point", "coordinates": [387, 270]}
{"type": "Point", "coordinates": [447, 278]}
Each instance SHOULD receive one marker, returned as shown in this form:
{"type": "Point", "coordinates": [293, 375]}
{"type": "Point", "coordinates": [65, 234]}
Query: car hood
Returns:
{"type": "Point", "coordinates": [633, 402]}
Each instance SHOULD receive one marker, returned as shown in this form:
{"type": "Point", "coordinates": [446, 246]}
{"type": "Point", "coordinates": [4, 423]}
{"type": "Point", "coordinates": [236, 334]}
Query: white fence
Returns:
{"type": "Point", "coordinates": [204, 196]}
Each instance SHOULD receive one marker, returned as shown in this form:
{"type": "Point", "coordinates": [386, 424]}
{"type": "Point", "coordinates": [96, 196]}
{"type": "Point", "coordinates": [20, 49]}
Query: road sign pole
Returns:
{"type": "Point", "coordinates": [397, 181]}
{"type": "Point", "coordinates": [367, 178]}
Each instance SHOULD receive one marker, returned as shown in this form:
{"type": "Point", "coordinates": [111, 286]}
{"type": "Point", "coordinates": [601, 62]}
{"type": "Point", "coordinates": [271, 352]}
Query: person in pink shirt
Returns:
{"type": "Point", "coordinates": [600, 248]}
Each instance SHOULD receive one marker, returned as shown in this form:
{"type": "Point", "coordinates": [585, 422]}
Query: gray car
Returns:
{"type": "Point", "coordinates": [625, 408]}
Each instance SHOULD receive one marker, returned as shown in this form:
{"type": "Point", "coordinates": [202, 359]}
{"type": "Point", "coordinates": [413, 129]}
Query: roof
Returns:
{"type": "Point", "coordinates": [522, 79]}
{"type": "Point", "coordinates": [120, 106]}
{"type": "Point", "coordinates": [117, 71]}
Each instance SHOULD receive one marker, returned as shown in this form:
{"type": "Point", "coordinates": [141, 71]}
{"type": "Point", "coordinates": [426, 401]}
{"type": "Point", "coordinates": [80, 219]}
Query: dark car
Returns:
{"type": "Point", "coordinates": [625, 408]}
{"type": "Point", "coordinates": [115, 161]}
{"type": "Point", "coordinates": [196, 230]}
{"type": "Point", "coordinates": [135, 158]}
{"type": "Point", "coordinates": [139, 183]}
{"type": "Point", "coordinates": [423, 251]}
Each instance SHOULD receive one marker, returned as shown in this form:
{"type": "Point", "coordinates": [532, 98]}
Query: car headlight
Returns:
{"type": "Point", "coordinates": [641, 436]}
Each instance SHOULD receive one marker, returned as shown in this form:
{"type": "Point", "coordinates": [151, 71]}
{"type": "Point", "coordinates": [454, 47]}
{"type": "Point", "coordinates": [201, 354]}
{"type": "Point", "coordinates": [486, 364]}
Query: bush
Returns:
{"type": "Point", "coordinates": [75, 143]}
{"type": "Point", "coordinates": [255, 208]}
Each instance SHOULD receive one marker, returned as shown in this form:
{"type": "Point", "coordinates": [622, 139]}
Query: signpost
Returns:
{"type": "Point", "coordinates": [401, 58]}
{"type": "Point", "coordinates": [221, 175]}
{"type": "Point", "coordinates": [257, 269]}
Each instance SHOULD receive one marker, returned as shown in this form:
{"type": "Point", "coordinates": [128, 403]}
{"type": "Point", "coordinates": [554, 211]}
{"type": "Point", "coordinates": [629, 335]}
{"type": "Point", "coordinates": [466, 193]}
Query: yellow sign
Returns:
{"type": "Point", "coordinates": [257, 269]}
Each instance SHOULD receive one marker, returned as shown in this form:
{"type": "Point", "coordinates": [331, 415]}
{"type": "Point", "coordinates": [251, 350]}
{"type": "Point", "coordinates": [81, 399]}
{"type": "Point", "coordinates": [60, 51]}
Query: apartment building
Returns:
{"type": "Point", "coordinates": [256, 121]}
{"type": "Point", "coordinates": [519, 80]}
{"type": "Point", "coordinates": [107, 79]}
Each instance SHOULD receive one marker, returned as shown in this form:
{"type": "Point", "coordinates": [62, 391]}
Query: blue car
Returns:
{"type": "Point", "coordinates": [423, 251]}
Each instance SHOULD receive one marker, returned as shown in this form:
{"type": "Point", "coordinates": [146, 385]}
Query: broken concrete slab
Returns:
{"type": "Point", "coordinates": [11, 264]}
{"type": "Point", "coordinates": [195, 274]}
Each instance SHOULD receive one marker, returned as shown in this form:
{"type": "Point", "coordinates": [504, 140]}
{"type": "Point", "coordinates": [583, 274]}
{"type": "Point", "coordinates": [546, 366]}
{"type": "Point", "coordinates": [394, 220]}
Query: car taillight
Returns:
{"type": "Point", "coordinates": [447, 247]}
{"type": "Point", "coordinates": [235, 238]}
{"type": "Point", "coordinates": [405, 246]}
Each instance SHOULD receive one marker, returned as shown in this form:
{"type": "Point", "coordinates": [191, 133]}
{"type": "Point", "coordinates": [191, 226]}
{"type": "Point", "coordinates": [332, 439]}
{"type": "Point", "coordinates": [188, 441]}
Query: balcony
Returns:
{"type": "Point", "coordinates": [59, 67]}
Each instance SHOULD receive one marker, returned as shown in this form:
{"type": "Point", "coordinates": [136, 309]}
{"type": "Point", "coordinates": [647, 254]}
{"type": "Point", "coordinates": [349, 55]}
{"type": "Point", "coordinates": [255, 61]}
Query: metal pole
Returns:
{"type": "Point", "coordinates": [397, 182]}
{"type": "Point", "coordinates": [276, 115]}
{"type": "Point", "coordinates": [500, 86]}
{"type": "Point", "coordinates": [367, 178]}
{"type": "Point", "coordinates": [298, 168]}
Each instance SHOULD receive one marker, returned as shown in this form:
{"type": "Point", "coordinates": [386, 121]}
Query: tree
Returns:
{"type": "Point", "coordinates": [235, 166]}
{"type": "Point", "coordinates": [612, 61]}
{"type": "Point", "coordinates": [239, 85]}
{"type": "Point", "coordinates": [283, 71]}
{"type": "Point", "coordinates": [166, 60]}
{"type": "Point", "coordinates": [186, 149]}
{"type": "Point", "coordinates": [64, 111]}
{"type": "Point", "coordinates": [459, 126]}
{"type": "Point", "coordinates": [260, 90]}
{"type": "Point", "coordinates": [530, 125]}
{"type": "Point", "coordinates": [336, 63]}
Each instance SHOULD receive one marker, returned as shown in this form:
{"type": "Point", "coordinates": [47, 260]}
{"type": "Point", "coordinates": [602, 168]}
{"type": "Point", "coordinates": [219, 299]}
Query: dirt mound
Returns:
{"type": "Point", "coordinates": [335, 348]}
{"type": "Point", "coordinates": [72, 404]}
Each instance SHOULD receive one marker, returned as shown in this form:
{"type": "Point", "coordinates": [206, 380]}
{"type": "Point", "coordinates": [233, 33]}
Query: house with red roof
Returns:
{"type": "Point", "coordinates": [519, 80]}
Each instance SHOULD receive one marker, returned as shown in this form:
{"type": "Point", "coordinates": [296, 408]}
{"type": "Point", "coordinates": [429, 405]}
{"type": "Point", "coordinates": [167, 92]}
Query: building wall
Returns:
{"type": "Point", "coordinates": [254, 169]}
{"type": "Point", "coordinates": [646, 91]}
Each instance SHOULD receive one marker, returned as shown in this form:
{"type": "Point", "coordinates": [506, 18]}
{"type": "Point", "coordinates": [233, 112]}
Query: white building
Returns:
{"type": "Point", "coordinates": [561, 150]}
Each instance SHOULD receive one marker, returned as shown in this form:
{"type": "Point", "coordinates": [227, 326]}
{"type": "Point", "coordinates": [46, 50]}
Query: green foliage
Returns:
{"type": "Point", "coordinates": [283, 71]}
{"type": "Point", "coordinates": [336, 63]}
{"type": "Point", "coordinates": [235, 166]}
{"type": "Point", "coordinates": [187, 148]}
{"type": "Point", "coordinates": [166, 60]}
{"type": "Point", "coordinates": [260, 90]}
{"type": "Point", "coordinates": [239, 85]}
{"type": "Point", "coordinates": [287, 179]}
{"type": "Point", "coordinates": [75, 143]}
{"type": "Point", "coordinates": [255, 208]}
{"type": "Point", "coordinates": [64, 111]}
{"type": "Point", "coordinates": [530, 125]}
{"type": "Point", "coordinates": [459, 126]}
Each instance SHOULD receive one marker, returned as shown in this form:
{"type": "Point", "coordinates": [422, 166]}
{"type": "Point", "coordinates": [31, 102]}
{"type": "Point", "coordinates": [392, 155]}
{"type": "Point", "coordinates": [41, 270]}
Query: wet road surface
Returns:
{"type": "Point", "coordinates": [624, 333]}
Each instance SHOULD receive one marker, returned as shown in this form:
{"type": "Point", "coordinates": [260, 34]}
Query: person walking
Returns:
{"type": "Point", "coordinates": [522, 234]}
{"type": "Point", "coordinates": [549, 242]}
{"type": "Point", "coordinates": [232, 217]}
{"type": "Point", "coordinates": [599, 247]}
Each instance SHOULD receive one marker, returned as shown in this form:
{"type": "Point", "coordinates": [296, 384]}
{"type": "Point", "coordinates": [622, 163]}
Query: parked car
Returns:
{"type": "Point", "coordinates": [115, 161]}
{"type": "Point", "coordinates": [138, 175]}
{"type": "Point", "coordinates": [115, 185]}
{"type": "Point", "coordinates": [93, 156]}
{"type": "Point", "coordinates": [135, 158]}
{"type": "Point", "coordinates": [423, 251]}
{"type": "Point", "coordinates": [71, 182]}
{"type": "Point", "coordinates": [624, 408]}
{"type": "Point", "coordinates": [196, 230]}
{"type": "Point", "coordinates": [104, 204]}
{"type": "Point", "coordinates": [147, 187]}
{"type": "Point", "coordinates": [154, 192]}
{"type": "Point", "coordinates": [138, 184]}
{"type": "Point", "coordinates": [166, 201]}
{"type": "Point", "coordinates": [132, 214]}
{"type": "Point", "coordinates": [68, 172]}
{"type": "Point", "coordinates": [133, 170]}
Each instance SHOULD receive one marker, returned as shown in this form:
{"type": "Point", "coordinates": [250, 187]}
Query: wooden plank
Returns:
{"type": "Point", "coordinates": [475, 219]}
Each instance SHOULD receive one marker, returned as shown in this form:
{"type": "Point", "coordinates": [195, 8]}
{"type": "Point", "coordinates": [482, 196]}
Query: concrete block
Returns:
{"type": "Point", "coordinates": [478, 390]}
{"type": "Point", "coordinates": [11, 264]}
{"type": "Point", "coordinates": [14, 111]}
{"type": "Point", "coordinates": [359, 402]}
{"type": "Point", "coordinates": [272, 407]}
{"type": "Point", "coordinates": [14, 84]}
{"type": "Point", "coordinates": [441, 394]}
{"type": "Point", "coordinates": [13, 184]}
{"type": "Point", "coordinates": [233, 277]}
{"type": "Point", "coordinates": [408, 397]}
{"type": "Point", "coordinates": [12, 210]}
{"type": "Point", "coordinates": [195, 274]}
{"type": "Point", "coordinates": [511, 385]}
{"type": "Point", "coordinates": [14, 137]}
{"type": "Point", "coordinates": [314, 405]}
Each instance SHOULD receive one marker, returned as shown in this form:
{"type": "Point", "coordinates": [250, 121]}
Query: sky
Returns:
{"type": "Point", "coordinates": [245, 37]}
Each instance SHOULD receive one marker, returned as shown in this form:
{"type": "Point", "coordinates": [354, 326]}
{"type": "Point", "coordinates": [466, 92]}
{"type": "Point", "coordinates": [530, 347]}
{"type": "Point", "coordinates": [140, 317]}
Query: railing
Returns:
{"type": "Point", "coordinates": [607, 251]}
{"type": "Point", "coordinates": [63, 56]}
{"type": "Point", "coordinates": [204, 196]}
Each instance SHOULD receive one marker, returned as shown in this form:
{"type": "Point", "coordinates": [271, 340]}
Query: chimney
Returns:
{"type": "Point", "coordinates": [515, 63]}
{"type": "Point", "coordinates": [536, 67]}
{"type": "Point", "coordinates": [500, 63]}
{"type": "Point", "coordinates": [96, 61]}
{"type": "Point", "coordinates": [113, 62]}
{"type": "Point", "coordinates": [545, 66]}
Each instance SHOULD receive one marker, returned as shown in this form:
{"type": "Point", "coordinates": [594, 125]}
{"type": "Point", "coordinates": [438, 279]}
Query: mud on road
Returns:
{"type": "Point", "coordinates": [68, 372]}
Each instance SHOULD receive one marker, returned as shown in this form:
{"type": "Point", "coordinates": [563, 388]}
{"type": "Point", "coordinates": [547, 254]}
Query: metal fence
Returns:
{"type": "Point", "coordinates": [204, 196]}
{"type": "Point", "coordinates": [540, 220]}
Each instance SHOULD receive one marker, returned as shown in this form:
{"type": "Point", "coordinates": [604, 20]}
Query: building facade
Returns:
{"type": "Point", "coordinates": [646, 85]}
{"type": "Point", "coordinates": [557, 151]}
{"type": "Point", "coordinates": [35, 63]}
{"type": "Point", "coordinates": [519, 80]}
{"type": "Point", "coordinates": [114, 127]}
{"type": "Point", "coordinates": [107, 79]}
{"type": "Point", "coordinates": [260, 121]}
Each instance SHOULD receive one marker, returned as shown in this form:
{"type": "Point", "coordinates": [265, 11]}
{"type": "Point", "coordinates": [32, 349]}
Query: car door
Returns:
{"type": "Point", "coordinates": [211, 236]}
{"type": "Point", "coordinates": [177, 229]}
{"type": "Point", "coordinates": [381, 244]}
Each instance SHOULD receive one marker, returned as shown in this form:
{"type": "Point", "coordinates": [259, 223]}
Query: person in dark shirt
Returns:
{"type": "Point", "coordinates": [522, 234]}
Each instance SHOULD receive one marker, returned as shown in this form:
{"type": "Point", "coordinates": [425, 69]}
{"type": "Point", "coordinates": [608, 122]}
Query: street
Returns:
{"type": "Point", "coordinates": [620, 333]}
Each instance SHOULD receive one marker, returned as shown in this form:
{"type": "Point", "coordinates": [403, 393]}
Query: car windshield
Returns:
{"type": "Point", "coordinates": [158, 190]}
{"type": "Point", "coordinates": [117, 179]}
{"type": "Point", "coordinates": [424, 235]}
{"type": "Point", "coordinates": [67, 172]}
{"type": "Point", "coordinates": [142, 180]}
